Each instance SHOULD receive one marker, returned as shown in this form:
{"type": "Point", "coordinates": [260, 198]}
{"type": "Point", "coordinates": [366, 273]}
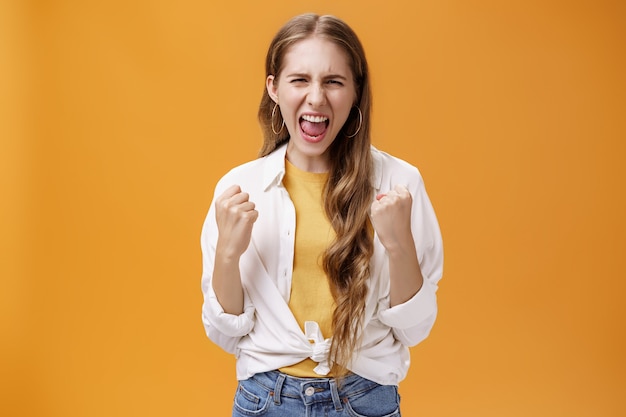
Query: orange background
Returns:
{"type": "Point", "coordinates": [118, 117]}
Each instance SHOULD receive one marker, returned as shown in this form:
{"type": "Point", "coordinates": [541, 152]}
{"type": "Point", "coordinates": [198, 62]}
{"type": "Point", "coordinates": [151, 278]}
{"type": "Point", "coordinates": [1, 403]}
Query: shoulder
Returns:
{"type": "Point", "coordinates": [246, 175]}
{"type": "Point", "coordinates": [246, 169]}
{"type": "Point", "coordinates": [391, 168]}
{"type": "Point", "coordinates": [255, 175]}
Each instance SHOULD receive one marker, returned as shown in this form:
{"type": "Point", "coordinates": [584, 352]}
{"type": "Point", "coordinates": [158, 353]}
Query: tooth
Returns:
{"type": "Point", "coordinates": [314, 119]}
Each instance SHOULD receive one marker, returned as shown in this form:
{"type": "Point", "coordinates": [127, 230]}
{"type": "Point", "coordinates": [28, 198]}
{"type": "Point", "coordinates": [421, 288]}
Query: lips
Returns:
{"type": "Point", "coordinates": [313, 127]}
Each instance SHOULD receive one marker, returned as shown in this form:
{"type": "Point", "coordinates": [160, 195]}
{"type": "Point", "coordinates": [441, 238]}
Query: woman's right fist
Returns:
{"type": "Point", "coordinates": [235, 215]}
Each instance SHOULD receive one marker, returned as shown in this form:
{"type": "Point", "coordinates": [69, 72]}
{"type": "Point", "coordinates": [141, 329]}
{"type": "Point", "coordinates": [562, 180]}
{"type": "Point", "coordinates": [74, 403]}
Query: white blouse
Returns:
{"type": "Point", "coordinates": [266, 335]}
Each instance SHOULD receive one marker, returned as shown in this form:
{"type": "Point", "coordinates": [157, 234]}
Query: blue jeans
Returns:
{"type": "Point", "coordinates": [273, 394]}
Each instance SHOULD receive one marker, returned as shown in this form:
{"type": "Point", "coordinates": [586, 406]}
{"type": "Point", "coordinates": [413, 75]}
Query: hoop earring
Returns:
{"type": "Point", "coordinates": [360, 123]}
{"type": "Point", "coordinates": [272, 121]}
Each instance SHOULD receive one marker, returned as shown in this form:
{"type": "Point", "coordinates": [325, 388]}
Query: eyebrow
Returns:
{"type": "Point", "coordinates": [302, 75]}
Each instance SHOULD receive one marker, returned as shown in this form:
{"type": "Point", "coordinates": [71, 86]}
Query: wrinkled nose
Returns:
{"type": "Point", "coordinates": [316, 96]}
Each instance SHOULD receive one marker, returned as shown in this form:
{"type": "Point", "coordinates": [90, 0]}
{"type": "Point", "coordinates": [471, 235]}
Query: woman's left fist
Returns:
{"type": "Point", "coordinates": [391, 216]}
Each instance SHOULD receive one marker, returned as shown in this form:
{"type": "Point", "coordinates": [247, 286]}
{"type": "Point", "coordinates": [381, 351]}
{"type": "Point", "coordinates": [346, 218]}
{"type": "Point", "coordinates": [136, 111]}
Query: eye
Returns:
{"type": "Point", "coordinates": [297, 80]}
{"type": "Point", "coordinates": [335, 82]}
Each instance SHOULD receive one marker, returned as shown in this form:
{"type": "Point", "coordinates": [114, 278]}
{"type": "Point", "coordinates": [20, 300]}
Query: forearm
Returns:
{"type": "Point", "coordinates": [404, 272]}
{"type": "Point", "coordinates": [226, 283]}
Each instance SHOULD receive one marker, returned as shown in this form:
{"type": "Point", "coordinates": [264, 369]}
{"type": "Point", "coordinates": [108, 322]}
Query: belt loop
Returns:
{"type": "Point", "coordinates": [278, 388]}
{"type": "Point", "coordinates": [335, 394]}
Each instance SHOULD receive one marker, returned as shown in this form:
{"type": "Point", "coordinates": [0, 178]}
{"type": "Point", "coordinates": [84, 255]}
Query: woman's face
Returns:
{"type": "Point", "coordinates": [315, 92]}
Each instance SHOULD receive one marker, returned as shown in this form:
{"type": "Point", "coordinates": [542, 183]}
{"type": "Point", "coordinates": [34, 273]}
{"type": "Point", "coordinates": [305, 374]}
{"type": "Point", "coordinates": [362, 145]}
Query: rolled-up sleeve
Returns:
{"type": "Point", "coordinates": [230, 325]}
{"type": "Point", "coordinates": [222, 328]}
{"type": "Point", "coordinates": [412, 320]}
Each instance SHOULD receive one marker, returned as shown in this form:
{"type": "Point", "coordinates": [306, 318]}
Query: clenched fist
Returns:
{"type": "Point", "coordinates": [391, 217]}
{"type": "Point", "coordinates": [235, 215]}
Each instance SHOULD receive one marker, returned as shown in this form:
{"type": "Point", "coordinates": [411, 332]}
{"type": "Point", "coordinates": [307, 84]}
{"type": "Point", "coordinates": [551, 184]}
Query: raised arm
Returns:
{"type": "Point", "coordinates": [391, 218]}
{"type": "Point", "coordinates": [235, 215]}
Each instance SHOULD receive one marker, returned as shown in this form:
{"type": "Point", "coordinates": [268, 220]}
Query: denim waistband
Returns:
{"type": "Point", "coordinates": [312, 390]}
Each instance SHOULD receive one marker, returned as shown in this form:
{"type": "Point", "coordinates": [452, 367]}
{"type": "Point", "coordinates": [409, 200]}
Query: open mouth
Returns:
{"type": "Point", "coordinates": [313, 127]}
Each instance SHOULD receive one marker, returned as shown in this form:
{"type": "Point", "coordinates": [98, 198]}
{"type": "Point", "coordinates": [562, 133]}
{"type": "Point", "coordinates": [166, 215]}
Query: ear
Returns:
{"type": "Point", "coordinates": [272, 88]}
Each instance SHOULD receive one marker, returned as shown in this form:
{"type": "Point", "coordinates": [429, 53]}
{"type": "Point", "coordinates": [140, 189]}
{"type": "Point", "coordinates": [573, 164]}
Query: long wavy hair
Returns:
{"type": "Point", "coordinates": [348, 192]}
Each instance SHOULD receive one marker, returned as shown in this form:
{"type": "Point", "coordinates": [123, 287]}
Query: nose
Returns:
{"type": "Point", "coordinates": [316, 96]}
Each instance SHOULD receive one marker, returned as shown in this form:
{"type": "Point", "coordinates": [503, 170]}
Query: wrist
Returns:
{"type": "Point", "coordinates": [400, 247]}
{"type": "Point", "coordinates": [226, 256]}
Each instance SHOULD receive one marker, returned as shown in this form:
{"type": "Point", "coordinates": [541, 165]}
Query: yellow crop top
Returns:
{"type": "Point", "coordinates": [311, 299]}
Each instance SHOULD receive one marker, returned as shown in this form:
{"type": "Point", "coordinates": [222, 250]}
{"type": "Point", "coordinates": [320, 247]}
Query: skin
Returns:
{"type": "Point", "coordinates": [316, 80]}
{"type": "Point", "coordinates": [235, 215]}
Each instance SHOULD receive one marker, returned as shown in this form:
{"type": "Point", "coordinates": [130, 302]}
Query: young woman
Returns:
{"type": "Point", "coordinates": [321, 258]}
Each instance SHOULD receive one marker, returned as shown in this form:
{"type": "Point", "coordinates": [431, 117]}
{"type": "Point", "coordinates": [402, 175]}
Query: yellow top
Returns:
{"type": "Point", "coordinates": [311, 299]}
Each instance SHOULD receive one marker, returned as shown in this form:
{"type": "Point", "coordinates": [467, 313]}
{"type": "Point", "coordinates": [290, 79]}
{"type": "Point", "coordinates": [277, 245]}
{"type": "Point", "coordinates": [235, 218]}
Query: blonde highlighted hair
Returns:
{"type": "Point", "coordinates": [348, 192]}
